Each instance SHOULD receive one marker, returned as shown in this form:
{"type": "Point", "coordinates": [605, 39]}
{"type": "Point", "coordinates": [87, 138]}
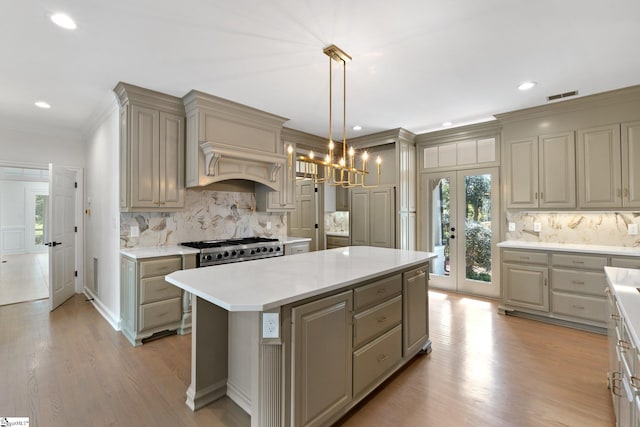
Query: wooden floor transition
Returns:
{"type": "Point", "coordinates": [70, 368]}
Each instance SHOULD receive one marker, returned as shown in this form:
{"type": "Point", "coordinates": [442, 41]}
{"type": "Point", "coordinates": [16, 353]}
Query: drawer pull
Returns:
{"type": "Point", "coordinates": [163, 314]}
{"type": "Point", "coordinates": [578, 307]}
{"type": "Point", "coordinates": [616, 377]}
{"type": "Point", "coordinates": [614, 316]}
{"type": "Point", "coordinates": [382, 291]}
{"type": "Point", "coordinates": [635, 383]}
{"type": "Point", "coordinates": [382, 319]}
{"type": "Point", "coordinates": [575, 261]}
{"type": "Point", "coordinates": [382, 358]}
{"type": "Point", "coordinates": [419, 272]}
{"type": "Point", "coordinates": [525, 258]}
{"type": "Point", "coordinates": [577, 282]}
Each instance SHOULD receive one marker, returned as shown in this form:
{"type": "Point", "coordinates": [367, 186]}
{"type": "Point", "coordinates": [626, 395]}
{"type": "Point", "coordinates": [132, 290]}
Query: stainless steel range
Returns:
{"type": "Point", "coordinates": [214, 252]}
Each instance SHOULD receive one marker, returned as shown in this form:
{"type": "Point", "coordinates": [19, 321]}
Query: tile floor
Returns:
{"type": "Point", "coordinates": [24, 277]}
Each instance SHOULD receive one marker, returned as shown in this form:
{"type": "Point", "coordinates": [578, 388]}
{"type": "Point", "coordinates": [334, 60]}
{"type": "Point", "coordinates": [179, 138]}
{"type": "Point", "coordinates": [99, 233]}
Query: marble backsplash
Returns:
{"type": "Point", "coordinates": [336, 221]}
{"type": "Point", "coordinates": [591, 228]}
{"type": "Point", "coordinates": [208, 215]}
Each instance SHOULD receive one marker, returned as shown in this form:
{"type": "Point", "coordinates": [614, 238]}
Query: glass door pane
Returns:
{"type": "Point", "coordinates": [477, 227]}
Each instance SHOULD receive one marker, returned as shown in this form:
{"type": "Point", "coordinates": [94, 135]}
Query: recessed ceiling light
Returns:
{"type": "Point", "coordinates": [446, 124]}
{"type": "Point", "coordinates": [43, 104]}
{"type": "Point", "coordinates": [63, 20]}
{"type": "Point", "coordinates": [357, 127]}
{"type": "Point", "coordinates": [526, 85]}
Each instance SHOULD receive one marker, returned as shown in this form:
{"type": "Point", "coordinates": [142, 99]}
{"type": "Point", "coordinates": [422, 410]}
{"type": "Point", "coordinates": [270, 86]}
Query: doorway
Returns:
{"type": "Point", "coordinates": [463, 230]}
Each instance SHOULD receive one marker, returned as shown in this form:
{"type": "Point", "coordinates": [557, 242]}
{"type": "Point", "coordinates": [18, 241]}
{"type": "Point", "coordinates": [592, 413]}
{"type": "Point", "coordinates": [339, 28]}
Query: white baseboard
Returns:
{"type": "Point", "coordinates": [113, 320]}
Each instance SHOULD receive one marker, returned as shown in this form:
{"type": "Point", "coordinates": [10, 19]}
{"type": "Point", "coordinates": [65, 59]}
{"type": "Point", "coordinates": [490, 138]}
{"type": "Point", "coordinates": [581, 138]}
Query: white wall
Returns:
{"type": "Point", "coordinates": [41, 147]}
{"type": "Point", "coordinates": [102, 225]}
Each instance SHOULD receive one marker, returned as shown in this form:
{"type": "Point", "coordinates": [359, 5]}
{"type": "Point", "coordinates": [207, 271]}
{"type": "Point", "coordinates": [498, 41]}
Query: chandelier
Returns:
{"type": "Point", "coordinates": [336, 170]}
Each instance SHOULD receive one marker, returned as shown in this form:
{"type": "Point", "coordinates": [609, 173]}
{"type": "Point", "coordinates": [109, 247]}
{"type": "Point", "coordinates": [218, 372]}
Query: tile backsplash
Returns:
{"type": "Point", "coordinates": [336, 221]}
{"type": "Point", "coordinates": [208, 215]}
{"type": "Point", "coordinates": [592, 228]}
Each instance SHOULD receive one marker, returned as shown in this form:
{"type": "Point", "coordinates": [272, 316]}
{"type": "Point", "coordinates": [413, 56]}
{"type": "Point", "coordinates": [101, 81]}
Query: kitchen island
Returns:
{"type": "Point", "coordinates": [300, 340]}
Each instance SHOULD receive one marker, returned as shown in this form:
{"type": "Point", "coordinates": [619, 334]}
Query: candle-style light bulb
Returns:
{"type": "Point", "coordinates": [365, 157]}
{"type": "Point", "coordinates": [342, 162]}
{"type": "Point", "coordinates": [289, 149]}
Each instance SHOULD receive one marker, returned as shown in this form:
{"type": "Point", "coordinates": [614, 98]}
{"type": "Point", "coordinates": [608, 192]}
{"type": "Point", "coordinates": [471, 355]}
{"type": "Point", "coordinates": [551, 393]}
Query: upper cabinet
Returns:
{"type": "Point", "coordinates": [152, 137]}
{"type": "Point", "coordinates": [541, 172]}
{"type": "Point", "coordinates": [227, 141]}
{"type": "Point", "coordinates": [608, 166]}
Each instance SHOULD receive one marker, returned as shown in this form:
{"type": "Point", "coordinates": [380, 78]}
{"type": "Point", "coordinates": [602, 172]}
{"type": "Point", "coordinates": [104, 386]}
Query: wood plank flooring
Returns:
{"type": "Point", "coordinates": [70, 368]}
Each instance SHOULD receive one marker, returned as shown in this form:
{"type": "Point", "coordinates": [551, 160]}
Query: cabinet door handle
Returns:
{"type": "Point", "coordinates": [382, 319]}
{"type": "Point", "coordinates": [419, 272]}
{"type": "Point", "coordinates": [624, 345]}
{"type": "Point", "coordinates": [578, 307]}
{"type": "Point", "coordinates": [626, 194]}
{"type": "Point", "coordinates": [382, 290]}
{"type": "Point", "coordinates": [619, 192]}
{"type": "Point", "coordinates": [614, 316]}
{"type": "Point", "coordinates": [577, 262]}
{"type": "Point", "coordinates": [382, 358]}
{"type": "Point", "coordinates": [535, 195]}
{"type": "Point", "coordinates": [545, 281]}
{"type": "Point", "coordinates": [615, 383]}
{"type": "Point", "coordinates": [635, 383]}
{"type": "Point", "coordinates": [541, 195]}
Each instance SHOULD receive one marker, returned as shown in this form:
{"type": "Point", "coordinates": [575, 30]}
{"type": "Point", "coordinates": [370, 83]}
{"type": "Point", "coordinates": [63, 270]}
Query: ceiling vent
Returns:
{"type": "Point", "coordinates": [562, 95]}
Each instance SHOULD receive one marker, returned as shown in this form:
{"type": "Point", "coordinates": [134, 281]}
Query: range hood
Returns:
{"type": "Point", "coordinates": [230, 141]}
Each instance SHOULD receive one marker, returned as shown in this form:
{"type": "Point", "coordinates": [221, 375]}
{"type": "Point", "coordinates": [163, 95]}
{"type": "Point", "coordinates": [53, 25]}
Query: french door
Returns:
{"type": "Point", "coordinates": [463, 229]}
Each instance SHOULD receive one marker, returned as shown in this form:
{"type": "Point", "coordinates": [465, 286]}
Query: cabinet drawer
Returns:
{"type": "Point", "coordinates": [157, 289]}
{"type": "Point", "coordinates": [160, 313]}
{"type": "Point", "coordinates": [525, 257]}
{"type": "Point", "coordinates": [583, 307]}
{"type": "Point", "coordinates": [376, 358]}
{"type": "Point", "coordinates": [377, 292]}
{"type": "Point", "coordinates": [585, 282]}
{"type": "Point", "coordinates": [337, 241]}
{"type": "Point", "coordinates": [579, 261]}
{"type": "Point", "coordinates": [376, 320]}
{"type": "Point", "coordinates": [626, 262]}
{"type": "Point", "coordinates": [160, 267]}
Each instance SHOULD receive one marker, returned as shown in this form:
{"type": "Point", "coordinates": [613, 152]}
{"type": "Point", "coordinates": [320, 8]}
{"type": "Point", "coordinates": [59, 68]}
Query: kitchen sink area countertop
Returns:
{"type": "Point", "coordinates": [625, 283]}
{"type": "Point", "coordinates": [264, 284]}
{"type": "Point", "coordinates": [156, 251]}
{"type": "Point", "coordinates": [571, 247]}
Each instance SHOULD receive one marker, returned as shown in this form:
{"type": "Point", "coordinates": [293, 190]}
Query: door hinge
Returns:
{"type": "Point", "coordinates": [315, 189]}
{"type": "Point", "coordinates": [75, 185]}
{"type": "Point", "coordinates": [75, 273]}
{"type": "Point", "coordinates": [316, 226]}
{"type": "Point", "coordinates": [75, 229]}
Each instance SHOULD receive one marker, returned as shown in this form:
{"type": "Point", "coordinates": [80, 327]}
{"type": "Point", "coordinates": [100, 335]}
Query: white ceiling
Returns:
{"type": "Point", "coordinates": [416, 63]}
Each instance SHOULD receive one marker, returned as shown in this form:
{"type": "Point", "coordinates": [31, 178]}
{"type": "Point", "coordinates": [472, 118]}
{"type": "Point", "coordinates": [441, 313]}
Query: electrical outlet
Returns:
{"type": "Point", "coordinates": [537, 226]}
{"type": "Point", "coordinates": [134, 231]}
{"type": "Point", "coordinates": [512, 226]}
{"type": "Point", "coordinates": [270, 325]}
{"type": "Point", "coordinates": [632, 229]}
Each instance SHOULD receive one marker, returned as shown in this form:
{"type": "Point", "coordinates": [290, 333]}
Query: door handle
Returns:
{"type": "Point", "coordinates": [51, 244]}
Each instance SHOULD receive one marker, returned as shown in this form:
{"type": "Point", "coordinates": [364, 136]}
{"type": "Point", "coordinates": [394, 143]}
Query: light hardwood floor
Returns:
{"type": "Point", "coordinates": [24, 277]}
{"type": "Point", "coordinates": [70, 368]}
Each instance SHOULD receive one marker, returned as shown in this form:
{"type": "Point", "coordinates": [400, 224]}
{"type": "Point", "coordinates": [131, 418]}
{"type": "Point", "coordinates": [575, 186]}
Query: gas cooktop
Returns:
{"type": "Point", "coordinates": [213, 252]}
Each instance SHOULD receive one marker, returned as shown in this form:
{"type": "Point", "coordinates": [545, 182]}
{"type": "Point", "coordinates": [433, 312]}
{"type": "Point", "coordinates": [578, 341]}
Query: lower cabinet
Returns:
{"type": "Point", "coordinates": [347, 344]}
{"type": "Point", "coordinates": [337, 241]}
{"type": "Point", "coordinates": [148, 304]}
{"type": "Point", "coordinates": [525, 276]}
{"type": "Point", "coordinates": [322, 342]}
{"type": "Point", "coordinates": [567, 288]}
{"type": "Point", "coordinates": [296, 248]}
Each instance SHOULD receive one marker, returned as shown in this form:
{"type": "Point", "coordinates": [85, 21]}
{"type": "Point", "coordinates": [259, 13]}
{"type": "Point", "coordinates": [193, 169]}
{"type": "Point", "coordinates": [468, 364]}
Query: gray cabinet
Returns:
{"type": "Point", "coordinates": [599, 167]}
{"type": "Point", "coordinates": [415, 310]}
{"type": "Point", "coordinates": [148, 303]}
{"type": "Point", "coordinates": [322, 343]}
{"type": "Point", "coordinates": [337, 241]}
{"type": "Point", "coordinates": [372, 217]}
{"type": "Point", "coordinates": [525, 277]}
{"type": "Point", "coordinates": [542, 172]}
{"type": "Point", "coordinates": [152, 137]}
{"type": "Point", "coordinates": [631, 164]}
{"type": "Point", "coordinates": [296, 248]}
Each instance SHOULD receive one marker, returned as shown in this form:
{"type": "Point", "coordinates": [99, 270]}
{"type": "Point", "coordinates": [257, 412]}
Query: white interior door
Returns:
{"type": "Point", "coordinates": [464, 230]}
{"type": "Point", "coordinates": [61, 235]}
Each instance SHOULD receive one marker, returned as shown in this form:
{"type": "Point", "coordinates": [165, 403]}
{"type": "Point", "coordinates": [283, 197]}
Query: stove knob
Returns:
{"type": "Point", "coordinates": [242, 252]}
{"type": "Point", "coordinates": [264, 249]}
{"type": "Point", "coordinates": [278, 249]}
{"type": "Point", "coordinates": [219, 256]}
{"type": "Point", "coordinates": [226, 254]}
{"type": "Point", "coordinates": [207, 257]}
{"type": "Point", "coordinates": [270, 249]}
{"type": "Point", "coordinates": [233, 253]}
{"type": "Point", "coordinates": [252, 252]}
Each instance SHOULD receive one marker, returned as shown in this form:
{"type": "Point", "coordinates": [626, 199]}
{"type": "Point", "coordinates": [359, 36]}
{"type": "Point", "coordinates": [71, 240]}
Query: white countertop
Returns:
{"type": "Point", "coordinates": [273, 282]}
{"type": "Point", "coordinates": [625, 283]}
{"type": "Point", "coordinates": [156, 251]}
{"type": "Point", "coordinates": [337, 233]}
{"type": "Point", "coordinates": [287, 240]}
{"type": "Point", "coordinates": [571, 247]}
